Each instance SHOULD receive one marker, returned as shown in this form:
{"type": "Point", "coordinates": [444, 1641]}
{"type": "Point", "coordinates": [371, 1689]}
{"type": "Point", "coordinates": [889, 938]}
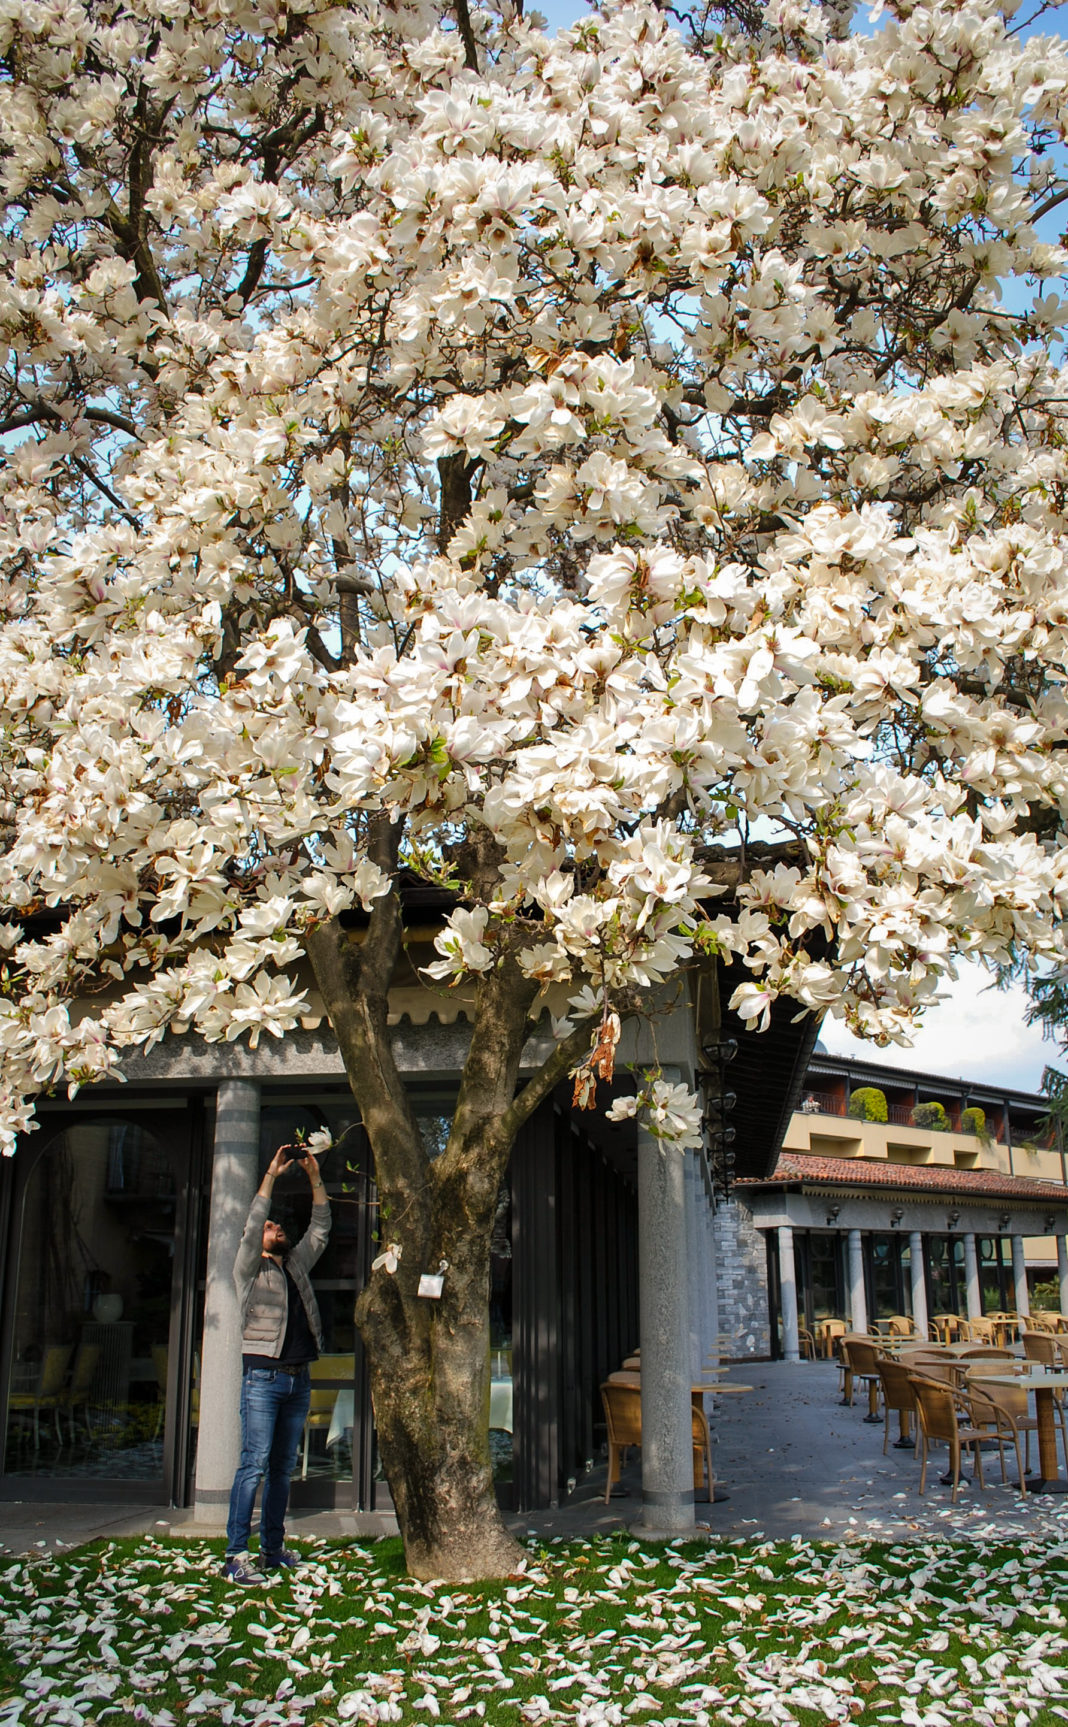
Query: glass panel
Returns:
{"type": "Point", "coordinates": [325, 1452]}
{"type": "Point", "coordinates": [991, 1274]}
{"type": "Point", "coordinates": [941, 1281]}
{"type": "Point", "coordinates": [501, 1388]}
{"type": "Point", "coordinates": [826, 1293]}
{"type": "Point", "coordinates": [886, 1275]}
{"type": "Point", "coordinates": [92, 1311]}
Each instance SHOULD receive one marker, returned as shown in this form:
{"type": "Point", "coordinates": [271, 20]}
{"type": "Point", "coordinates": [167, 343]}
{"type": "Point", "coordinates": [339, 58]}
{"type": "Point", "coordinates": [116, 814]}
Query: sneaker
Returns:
{"type": "Point", "coordinates": [283, 1561]}
{"type": "Point", "coordinates": [240, 1569]}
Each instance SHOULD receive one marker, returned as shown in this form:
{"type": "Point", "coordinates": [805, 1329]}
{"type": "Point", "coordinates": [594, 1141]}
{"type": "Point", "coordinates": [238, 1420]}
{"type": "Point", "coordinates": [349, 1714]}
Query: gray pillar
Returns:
{"type": "Point", "coordinates": [791, 1346]}
{"type": "Point", "coordinates": [971, 1277]}
{"type": "Point", "coordinates": [1062, 1271]}
{"type": "Point", "coordinates": [663, 1285]}
{"type": "Point", "coordinates": [1019, 1276]}
{"type": "Point", "coordinates": [712, 1313]}
{"type": "Point", "coordinates": [919, 1285]}
{"type": "Point", "coordinates": [858, 1307]}
{"type": "Point", "coordinates": [694, 1257]}
{"type": "Point", "coordinates": [234, 1179]}
{"type": "Point", "coordinates": [714, 1337]}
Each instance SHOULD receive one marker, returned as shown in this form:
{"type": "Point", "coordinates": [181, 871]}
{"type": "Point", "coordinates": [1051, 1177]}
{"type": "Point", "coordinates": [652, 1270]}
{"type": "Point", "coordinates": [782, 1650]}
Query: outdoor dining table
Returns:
{"type": "Point", "coordinates": [827, 1334]}
{"type": "Point", "coordinates": [1043, 1381]}
{"type": "Point", "coordinates": [945, 1324]}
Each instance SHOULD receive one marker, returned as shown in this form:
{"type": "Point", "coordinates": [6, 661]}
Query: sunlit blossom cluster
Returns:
{"type": "Point", "coordinates": [619, 451]}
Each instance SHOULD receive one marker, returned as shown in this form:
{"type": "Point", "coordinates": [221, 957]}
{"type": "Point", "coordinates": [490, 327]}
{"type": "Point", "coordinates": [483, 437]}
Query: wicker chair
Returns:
{"type": "Point", "coordinates": [862, 1359]}
{"type": "Point", "coordinates": [944, 1368]}
{"type": "Point", "coordinates": [48, 1392]}
{"type": "Point", "coordinates": [1013, 1398]}
{"type": "Point", "coordinates": [78, 1394]}
{"type": "Point", "coordinates": [623, 1417]}
{"type": "Point", "coordinates": [945, 1415]}
{"type": "Point", "coordinates": [898, 1396]}
{"type": "Point", "coordinates": [1003, 1408]}
{"type": "Point", "coordinates": [1041, 1346]}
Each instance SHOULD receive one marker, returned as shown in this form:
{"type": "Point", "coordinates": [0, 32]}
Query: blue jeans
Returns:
{"type": "Point", "coordinates": [274, 1406]}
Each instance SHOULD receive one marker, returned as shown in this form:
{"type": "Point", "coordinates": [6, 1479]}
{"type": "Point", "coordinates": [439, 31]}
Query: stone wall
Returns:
{"type": "Point", "coordinates": [741, 1283]}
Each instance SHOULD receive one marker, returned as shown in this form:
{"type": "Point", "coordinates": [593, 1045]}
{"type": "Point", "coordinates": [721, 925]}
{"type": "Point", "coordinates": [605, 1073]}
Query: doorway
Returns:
{"type": "Point", "coordinates": [102, 1237]}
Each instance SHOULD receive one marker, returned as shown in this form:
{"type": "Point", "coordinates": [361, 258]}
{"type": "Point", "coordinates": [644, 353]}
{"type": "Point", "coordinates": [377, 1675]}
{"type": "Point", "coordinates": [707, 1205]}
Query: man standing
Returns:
{"type": "Point", "coordinates": [281, 1334]}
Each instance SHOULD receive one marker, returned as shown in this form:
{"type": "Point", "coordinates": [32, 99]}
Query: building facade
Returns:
{"type": "Point", "coordinates": [953, 1200]}
{"type": "Point", "coordinates": [119, 1219]}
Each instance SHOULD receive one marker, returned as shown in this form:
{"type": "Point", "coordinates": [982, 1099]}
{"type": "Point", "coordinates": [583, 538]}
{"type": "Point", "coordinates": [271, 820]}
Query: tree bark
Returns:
{"type": "Point", "coordinates": [430, 1359]}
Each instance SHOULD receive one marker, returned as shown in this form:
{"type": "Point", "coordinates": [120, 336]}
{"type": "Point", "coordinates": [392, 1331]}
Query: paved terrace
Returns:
{"type": "Point", "coordinates": [791, 1459]}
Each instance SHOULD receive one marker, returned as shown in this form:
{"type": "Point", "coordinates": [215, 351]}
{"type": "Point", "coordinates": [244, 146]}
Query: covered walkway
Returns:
{"type": "Point", "coordinates": [792, 1460]}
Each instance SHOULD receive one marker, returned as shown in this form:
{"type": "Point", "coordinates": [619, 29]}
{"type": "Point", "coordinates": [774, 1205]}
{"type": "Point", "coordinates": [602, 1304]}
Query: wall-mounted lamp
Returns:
{"type": "Point", "coordinates": [1049, 1224]}
{"type": "Point", "coordinates": [896, 1216]}
{"type": "Point", "coordinates": [723, 1049]}
{"type": "Point", "coordinates": [832, 1214]}
{"type": "Point", "coordinates": [952, 1219]}
{"type": "Point", "coordinates": [1004, 1220]}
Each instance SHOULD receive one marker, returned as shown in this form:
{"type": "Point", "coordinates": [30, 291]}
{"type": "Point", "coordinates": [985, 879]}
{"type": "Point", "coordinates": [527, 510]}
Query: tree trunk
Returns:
{"type": "Point", "coordinates": [430, 1382]}
{"type": "Point", "coordinates": [430, 1359]}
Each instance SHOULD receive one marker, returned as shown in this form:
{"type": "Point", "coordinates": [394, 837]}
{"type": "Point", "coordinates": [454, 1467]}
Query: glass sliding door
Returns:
{"type": "Point", "coordinates": [97, 1240]}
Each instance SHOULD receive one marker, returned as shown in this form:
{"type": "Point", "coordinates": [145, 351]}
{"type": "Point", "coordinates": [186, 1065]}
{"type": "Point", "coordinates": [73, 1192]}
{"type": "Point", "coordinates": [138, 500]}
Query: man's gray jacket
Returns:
{"type": "Point", "coordinates": [261, 1284]}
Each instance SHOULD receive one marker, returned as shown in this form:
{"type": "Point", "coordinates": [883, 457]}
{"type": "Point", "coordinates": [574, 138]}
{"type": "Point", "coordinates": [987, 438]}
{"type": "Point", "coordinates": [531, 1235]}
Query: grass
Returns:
{"type": "Point", "coordinates": [600, 1632]}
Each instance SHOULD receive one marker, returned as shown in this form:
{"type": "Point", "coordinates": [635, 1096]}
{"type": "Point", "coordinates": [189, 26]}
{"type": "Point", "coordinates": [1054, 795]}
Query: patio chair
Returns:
{"type": "Point", "coordinates": [1003, 1408]}
{"type": "Point", "coordinates": [898, 1396]}
{"type": "Point", "coordinates": [806, 1343]}
{"type": "Point", "coordinates": [623, 1418]}
{"type": "Point", "coordinates": [1026, 1422]}
{"type": "Point", "coordinates": [900, 1325]}
{"type": "Point", "coordinates": [979, 1330]}
{"type": "Point", "coordinates": [160, 1357]}
{"type": "Point", "coordinates": [985, 1352]}
{"type": "Point", "coordinates": [945, 1415]}
{"type": "Point", "coordinates": [1041, 1346]}
{"type": "Point", "coordinates": [863, 1363]}
{"type": "Point", "coordinates": [78, 1392]}
{"type": "Point", "coordinates": [944, 1368]}
{"type": "Point", "coordinates": [1043, 1322]}
{"type": "Point", "coordinates": [48, 1392]}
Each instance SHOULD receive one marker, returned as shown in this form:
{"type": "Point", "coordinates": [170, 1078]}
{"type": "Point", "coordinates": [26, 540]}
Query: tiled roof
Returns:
{"type": "Point", "coordinates": [794, 1167]}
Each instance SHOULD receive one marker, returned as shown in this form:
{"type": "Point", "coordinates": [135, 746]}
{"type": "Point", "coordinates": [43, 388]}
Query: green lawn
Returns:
{"type": "Point", "coordinates": [593, 1632]}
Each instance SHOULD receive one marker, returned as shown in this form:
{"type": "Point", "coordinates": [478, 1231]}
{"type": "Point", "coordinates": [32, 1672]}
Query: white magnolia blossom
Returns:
{"type": "Point", "coordinates": [593, 454]}
{"type": "Point", "coordinates": [668, 1111]}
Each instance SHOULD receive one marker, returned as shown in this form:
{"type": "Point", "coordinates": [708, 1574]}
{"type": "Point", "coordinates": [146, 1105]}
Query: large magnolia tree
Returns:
{"type": "Point", "coordinates": [436, 450]}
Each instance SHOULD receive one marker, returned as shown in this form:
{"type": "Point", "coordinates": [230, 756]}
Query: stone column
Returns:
{"type": "Point", "coordinates": [234, 1179]}
{"type": "Point", "coordinates": [791, 1345]}
{"type": "Point", "coordinates": [971, 1277]}
{"type": "Point", "coordinates": [1019, 1276]}
{"type": "Point", "coordinates": [919, 1285]}
{"type": "Point", "coordinates": [858, 1306]}
{"type": "Point", "coordinates": [695, 1265]}
{"type": "Point", "coordinates": [712, 1237]}
{"type": "Point", "coordinates": [663, 1294]}
{"type": "Point", "coordinates": [1062, 1270]}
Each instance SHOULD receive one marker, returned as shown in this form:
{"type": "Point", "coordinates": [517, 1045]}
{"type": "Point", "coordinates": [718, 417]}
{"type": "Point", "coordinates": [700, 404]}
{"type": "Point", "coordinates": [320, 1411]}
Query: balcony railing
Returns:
{"type": "Point", "coordinates": [900, 1115]}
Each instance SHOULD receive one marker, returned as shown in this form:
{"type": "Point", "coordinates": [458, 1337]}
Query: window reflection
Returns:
{"type": "Point", "coordinates": [92, 1309]}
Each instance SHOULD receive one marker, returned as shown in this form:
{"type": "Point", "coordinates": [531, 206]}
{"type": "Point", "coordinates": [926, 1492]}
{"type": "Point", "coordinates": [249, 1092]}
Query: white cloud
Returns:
{"type": "Point", "coordinates": [977, 1033]}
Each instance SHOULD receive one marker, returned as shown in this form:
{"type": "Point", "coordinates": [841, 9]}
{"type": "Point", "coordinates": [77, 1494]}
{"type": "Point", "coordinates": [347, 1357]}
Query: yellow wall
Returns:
{"type": "Point", "coordinates": [837, 1136]}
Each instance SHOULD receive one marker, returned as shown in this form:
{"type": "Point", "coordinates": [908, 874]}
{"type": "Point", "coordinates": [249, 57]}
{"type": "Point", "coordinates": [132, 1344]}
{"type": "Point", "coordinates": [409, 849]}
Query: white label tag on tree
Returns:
{"type": "Point", "coordinates": [431, 1282]}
